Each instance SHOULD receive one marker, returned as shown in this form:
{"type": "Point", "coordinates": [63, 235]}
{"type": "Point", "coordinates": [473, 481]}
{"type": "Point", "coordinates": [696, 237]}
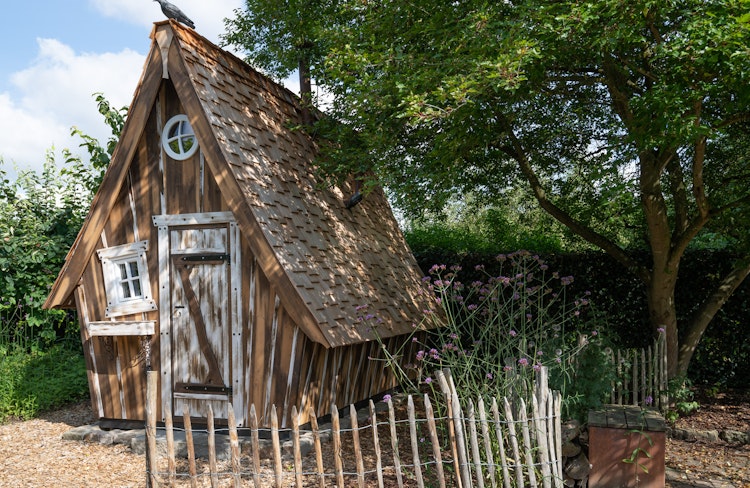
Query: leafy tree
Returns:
{"type": "Point", "coordinates": [624, 118]}
{"type": "Point", "coordinates": [283, 37]}
{"type": "Point", "coordinates": [89, 174]}
{"type": "Point", "coordinates": [40, 216]}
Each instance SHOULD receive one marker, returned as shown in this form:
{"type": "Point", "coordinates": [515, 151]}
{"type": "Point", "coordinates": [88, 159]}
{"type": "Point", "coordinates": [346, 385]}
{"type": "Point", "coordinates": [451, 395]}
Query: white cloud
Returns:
{"type": "Point", "coordinates": [208, 16]}
{"type": "Point", "coordinates": [55, 93]}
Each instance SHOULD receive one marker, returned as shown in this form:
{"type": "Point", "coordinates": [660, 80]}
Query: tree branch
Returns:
{"type": "Point", "coordinates": [707, 311]}
{"type": "Point", "coordinates": [517, 152]}
{"type": "Point", "coordinates": [679, 196]}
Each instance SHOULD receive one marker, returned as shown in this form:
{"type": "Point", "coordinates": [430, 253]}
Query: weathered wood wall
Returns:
{"type": "Point", "coordinates": [280, 364]}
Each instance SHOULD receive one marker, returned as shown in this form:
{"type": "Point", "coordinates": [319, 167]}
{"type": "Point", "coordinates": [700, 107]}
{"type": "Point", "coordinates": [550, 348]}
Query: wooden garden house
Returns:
{"type": "Point", "coordinates": [213, 247]}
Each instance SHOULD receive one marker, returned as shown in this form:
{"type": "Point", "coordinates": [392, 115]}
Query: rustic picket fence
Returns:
{"type": "Point", "coordinates": [642, 376]}
{"type": "Point", "coordinates": [466, 444]}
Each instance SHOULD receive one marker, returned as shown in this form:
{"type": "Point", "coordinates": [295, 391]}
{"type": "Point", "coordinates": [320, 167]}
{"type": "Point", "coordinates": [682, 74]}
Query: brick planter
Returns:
{"type": "Point", "coordinates": [615, 432]}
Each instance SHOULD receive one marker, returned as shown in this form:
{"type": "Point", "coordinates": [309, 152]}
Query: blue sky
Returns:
{"type": "Point", "coordinates": [58, 53]}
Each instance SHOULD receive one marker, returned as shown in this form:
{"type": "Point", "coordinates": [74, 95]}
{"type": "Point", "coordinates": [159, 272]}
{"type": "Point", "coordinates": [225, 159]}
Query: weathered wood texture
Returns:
{"type": "Point", "coordinates": [521, 443]}
{"type": "Point", "coordinates": [641, 376]}
{"type": "Point", "coordinates": [280, 323]}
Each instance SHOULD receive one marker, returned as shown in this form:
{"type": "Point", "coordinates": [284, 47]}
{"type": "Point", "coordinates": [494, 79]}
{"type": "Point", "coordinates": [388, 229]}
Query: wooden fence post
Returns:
{"type": "Point", "coordinates": [152, 379]}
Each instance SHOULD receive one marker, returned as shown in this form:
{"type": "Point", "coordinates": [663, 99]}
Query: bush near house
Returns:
{"type": "Point", "coordinates": [723, 356]}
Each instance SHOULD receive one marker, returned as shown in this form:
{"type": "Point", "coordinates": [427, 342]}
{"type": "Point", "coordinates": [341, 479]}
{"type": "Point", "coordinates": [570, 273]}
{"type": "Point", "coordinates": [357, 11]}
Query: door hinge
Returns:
{"type": "Point", "coordinates": [202, 388]}
{"type": "Point", "coordinates": [201, 258]}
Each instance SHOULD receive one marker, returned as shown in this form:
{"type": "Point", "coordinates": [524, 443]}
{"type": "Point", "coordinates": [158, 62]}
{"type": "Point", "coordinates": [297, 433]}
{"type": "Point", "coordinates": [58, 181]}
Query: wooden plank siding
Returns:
{"type": "Point", "coordinates": [300, 262]}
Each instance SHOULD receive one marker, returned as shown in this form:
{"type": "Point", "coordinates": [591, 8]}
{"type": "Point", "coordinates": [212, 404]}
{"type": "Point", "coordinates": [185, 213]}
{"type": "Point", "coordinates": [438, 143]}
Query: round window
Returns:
{"type": "Point", "coordinates": [178, 138]}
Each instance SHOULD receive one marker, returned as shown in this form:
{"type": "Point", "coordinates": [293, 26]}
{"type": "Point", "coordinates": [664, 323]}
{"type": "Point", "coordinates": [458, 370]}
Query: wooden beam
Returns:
{"type": "Point", "coordinates": [84, 245]}
{"type": "Point", "coordinates": [122, 328]}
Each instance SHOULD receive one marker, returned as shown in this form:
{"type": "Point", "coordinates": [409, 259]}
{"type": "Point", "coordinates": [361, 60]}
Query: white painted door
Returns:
{"type": "Point", "coordinates": [200, 314]}
{"type": "Point", "coordinates": [201, 329]}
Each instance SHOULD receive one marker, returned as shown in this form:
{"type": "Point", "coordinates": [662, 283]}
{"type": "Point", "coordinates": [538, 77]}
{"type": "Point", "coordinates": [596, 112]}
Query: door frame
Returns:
{"type": "Point", "coordinates": [169, 221]}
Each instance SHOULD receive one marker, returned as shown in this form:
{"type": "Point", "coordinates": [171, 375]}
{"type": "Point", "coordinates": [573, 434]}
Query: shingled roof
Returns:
{"type": "Point", "coordinates": [323, 259]}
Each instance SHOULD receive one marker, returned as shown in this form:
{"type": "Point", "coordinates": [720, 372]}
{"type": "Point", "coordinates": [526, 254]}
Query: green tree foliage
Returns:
{"type": "Point", "coordinates": [623, 118]}
{"type": "Point", "coordinates": [285, 36]}
{"type": "Point", "coordinates": [40, 216]}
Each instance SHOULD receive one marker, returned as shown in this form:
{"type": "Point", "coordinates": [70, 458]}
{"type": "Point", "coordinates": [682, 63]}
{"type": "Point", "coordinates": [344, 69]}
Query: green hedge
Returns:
{"type": "Point", "coordinates": [723, 356]}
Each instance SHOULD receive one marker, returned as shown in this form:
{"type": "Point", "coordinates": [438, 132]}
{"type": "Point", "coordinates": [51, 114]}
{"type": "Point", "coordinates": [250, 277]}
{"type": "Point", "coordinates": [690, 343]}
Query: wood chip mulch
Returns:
{"type": "Point", "coordinates": [33, 454]}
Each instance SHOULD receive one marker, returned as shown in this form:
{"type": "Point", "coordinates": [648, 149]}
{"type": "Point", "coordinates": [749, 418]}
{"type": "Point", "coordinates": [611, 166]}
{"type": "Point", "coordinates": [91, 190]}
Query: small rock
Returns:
{"type": "Point", "coordinates": [80, 433]}
{"type": "Point", "coordinates": [578, 467]}
{"type": "Point", "coordinates": [570, 449]}
{"type": "Point", "coordinates": [708, 435]}
{"type": "Point", "coordinates": [102, 437]}
{"type": "Point", "coordinates": [570, 430]}
{"type": "Point", "coordinates": [734, 437]}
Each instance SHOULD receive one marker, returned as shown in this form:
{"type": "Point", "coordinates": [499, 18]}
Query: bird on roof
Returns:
{"type": "Point", "coordinates": [172, 12]}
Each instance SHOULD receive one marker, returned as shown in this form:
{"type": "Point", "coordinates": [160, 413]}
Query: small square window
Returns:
{"type": "Point", "coordinates": [126, 279]}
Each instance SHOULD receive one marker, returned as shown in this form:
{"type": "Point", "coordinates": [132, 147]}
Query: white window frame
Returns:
{"type": "Point", "coordinates": [117, 303]}
{"type": "Point", "coordinates": [179, 121]}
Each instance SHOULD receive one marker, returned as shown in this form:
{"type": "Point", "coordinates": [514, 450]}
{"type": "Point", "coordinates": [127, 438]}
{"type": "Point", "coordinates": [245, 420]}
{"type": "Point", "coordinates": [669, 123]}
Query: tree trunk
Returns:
{"type": "Point", "coordinates": [663, 313]}
{"type": "Point", "coordinates": [706, 313]}
{"type": "Point", "coordinates": [305, 91]}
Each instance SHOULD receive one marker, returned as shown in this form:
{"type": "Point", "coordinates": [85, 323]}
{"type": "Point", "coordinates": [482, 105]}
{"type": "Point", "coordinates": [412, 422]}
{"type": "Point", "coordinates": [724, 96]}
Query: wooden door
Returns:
{"type": "Point", "coordinates": [201, 329]}
{"type": "Point", "coordinates": [200, 314]}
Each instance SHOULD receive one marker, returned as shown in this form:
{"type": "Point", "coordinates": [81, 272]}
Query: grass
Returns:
{"type": "Point", "coordinates": [32, 382]}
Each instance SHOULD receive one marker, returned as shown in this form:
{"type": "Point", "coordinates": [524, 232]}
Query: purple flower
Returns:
{"type": "Point", "coordinates": [513, 333]}
{"type": "Point", "coordinates": [428, 380]}
{"type": "Point", "coordinates": [508, 368]}
{"type": "Point", "coordinates": [649, 400]}
{"type": "Point", "coordinates": [386, 398]}
{"type": "Point", "coordinates": [661, 330]}
{"type": "Point", "coordinates": [420, 355]}
{"type": "Point", "coordinates": [537, 367]}
{"type": "Point", "coordinates": [489, 376]}
{"type": "Point", "coordinates": [523, 362]}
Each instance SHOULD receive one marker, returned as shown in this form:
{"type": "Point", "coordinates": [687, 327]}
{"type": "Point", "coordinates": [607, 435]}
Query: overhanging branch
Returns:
{"type": "Point", "coordinates": [517, 152]}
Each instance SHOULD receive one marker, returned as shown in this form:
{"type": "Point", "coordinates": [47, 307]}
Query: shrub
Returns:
{"type": "Point", "coordinates": [32, 382]}
{"type": "Point", "coordinates": [495, 333]}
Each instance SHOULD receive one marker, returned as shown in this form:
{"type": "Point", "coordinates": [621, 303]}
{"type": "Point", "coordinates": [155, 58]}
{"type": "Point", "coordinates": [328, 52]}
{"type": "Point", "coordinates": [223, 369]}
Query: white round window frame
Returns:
{"type": "Point", "coordinates": [165, 139]}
